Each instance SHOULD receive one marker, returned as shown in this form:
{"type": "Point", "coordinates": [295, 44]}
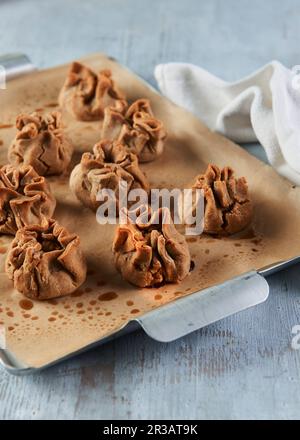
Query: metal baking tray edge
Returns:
{"type": "Point", "coordinates": [192, 312]}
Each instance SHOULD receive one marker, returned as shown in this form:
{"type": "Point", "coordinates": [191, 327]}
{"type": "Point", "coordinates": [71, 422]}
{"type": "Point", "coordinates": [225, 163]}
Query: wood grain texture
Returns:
{"type": "Point", "coordinates": [241, 367]}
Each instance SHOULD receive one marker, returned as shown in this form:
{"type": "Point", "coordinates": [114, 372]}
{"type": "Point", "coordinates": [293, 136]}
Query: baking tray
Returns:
{"type": "Point", "coordinates": [198, 308]}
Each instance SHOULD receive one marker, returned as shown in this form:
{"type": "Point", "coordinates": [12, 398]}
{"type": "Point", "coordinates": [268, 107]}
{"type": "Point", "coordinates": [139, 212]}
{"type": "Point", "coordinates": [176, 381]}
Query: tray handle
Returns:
{"type": "Point", "coordinates": [195, 311]}
{"type": "Point", "coordinates": [16, 64]}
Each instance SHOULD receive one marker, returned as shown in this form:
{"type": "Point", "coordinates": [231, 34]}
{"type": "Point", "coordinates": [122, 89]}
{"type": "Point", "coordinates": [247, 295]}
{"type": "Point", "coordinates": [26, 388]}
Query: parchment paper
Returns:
{"type": "Point", "coordinates": [105, 303]}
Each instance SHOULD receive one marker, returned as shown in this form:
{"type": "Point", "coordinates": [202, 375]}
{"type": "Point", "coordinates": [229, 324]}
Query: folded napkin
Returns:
{"type": "Point", "coordinates": [263, 107]}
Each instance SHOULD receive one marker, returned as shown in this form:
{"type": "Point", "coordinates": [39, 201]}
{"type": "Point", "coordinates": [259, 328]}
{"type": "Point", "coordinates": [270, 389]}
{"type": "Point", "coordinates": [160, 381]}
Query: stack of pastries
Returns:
{"type": "Point", "coordinates": [45, 260]}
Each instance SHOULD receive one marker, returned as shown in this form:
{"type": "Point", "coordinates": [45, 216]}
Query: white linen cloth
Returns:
{"type": "Point", "coordinates": [263, 107]}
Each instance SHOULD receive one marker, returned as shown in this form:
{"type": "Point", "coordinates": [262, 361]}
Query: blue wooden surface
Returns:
{"type": "Point", "coordinates": [241, 367]}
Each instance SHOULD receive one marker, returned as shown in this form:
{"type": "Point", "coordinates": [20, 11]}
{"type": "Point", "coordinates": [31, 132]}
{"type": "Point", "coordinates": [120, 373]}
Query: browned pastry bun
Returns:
{"type": "Point", "coordinates": [228, 208]}
{"type": "Point", "coordinates": [25, 198]}
{"type": "Point", "coordinates": [41, 142]}
{"type": "Point", "coordinates": [85, 95]}
{"type": "Point", "coordinates": [45, 261]}
{"type": "Point", "coordinates": [106, 167]}
{"type": "Point", "coordinates": [138, 129]}
{"type": "Point", "coordinates": [151, 253]}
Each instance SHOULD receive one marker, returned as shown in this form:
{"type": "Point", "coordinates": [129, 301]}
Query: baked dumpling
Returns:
{"type": "Point", "coordinates": [85, 95]}
{"type": "Point", "coordinates": [25, 198]}
{"type": "Point", "coordinates": [105, 168]}
{"type": "Point", "coordinates": [138, 129]}
{"type": "Point", "coordinates": [41, 142]}
{"type": "Point", "coordinates": [45, 261]}
{"type": "Point", "coordinates": [152, 253]}
{"type": "Point", "coordinates": [227, 206]}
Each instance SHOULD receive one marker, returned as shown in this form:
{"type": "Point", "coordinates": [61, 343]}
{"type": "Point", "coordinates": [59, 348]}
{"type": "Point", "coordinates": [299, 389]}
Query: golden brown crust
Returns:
{"type": "Point", "coordinates": [45, 261]}
{"type": "Point", "coordinates": [152, 253]}
{"type": "Point", "coordinates": [85, 95]}
{"type": "Point", "coordinates": [25, 198]}
{"type": "Point", "coordinates": [228, 208]}
{"type": "Point", "coordinates": [138, 129]}
{"type": "Point", "coordinates": [109, 164]}
{"type": "Point", "coordinates": [41, 143]}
